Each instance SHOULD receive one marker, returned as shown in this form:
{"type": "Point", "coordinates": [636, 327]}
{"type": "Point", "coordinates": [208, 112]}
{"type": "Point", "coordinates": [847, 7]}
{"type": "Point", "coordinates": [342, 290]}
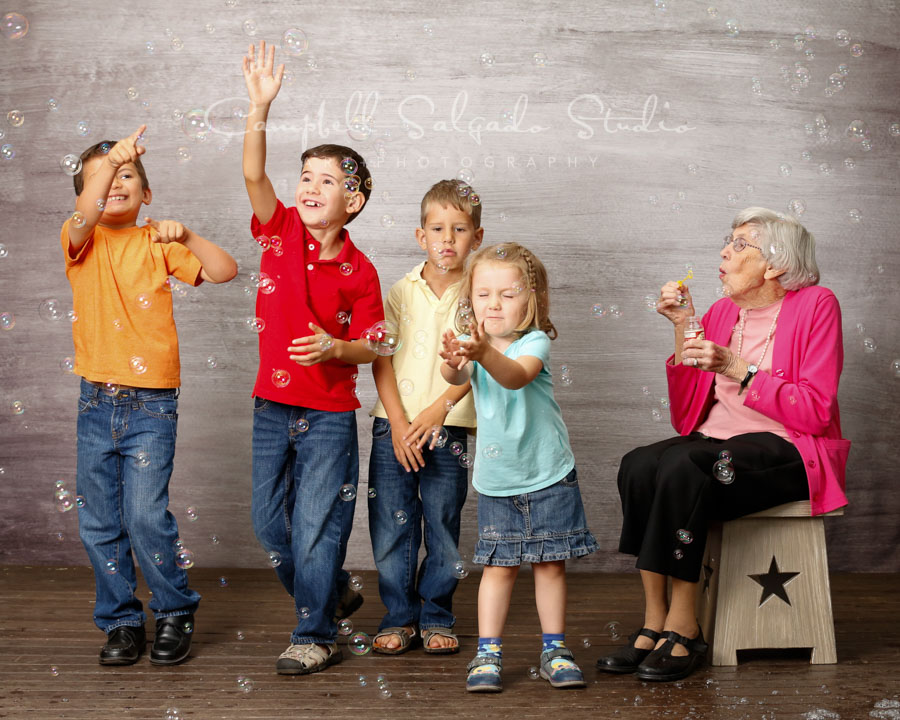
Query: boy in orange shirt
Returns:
{"type": "Point", "coordinates": [126, 351]}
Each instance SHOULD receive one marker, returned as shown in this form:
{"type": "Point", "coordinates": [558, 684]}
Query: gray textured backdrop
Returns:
{"type": "Point", "coordinates": [616, 140]}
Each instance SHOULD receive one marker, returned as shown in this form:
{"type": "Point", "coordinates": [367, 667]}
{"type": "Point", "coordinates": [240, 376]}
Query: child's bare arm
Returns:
{"type": "Point", "coordinates": [455, 369]}
{"type": "Point", "coordinates": [321, 347]}
{"type": "Point", "coordinates": [96, 186]}
{"type": "Point", "coordinates": [407, 453]}
{"type": "Point", "coordinates": [434, 415]}
{"type": "Point", "coordinates": [512, 374]}
{"type": "Point", "coordinates": [263, 84]}
{"type": "Point", "coordinates": [217, 266]}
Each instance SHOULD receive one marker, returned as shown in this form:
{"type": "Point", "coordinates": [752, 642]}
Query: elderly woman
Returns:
{"type": "Point", "coordinates": [754, 400]}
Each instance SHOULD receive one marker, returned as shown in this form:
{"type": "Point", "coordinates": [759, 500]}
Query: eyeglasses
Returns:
{"type": "Point", "coordinates": [738, 243]}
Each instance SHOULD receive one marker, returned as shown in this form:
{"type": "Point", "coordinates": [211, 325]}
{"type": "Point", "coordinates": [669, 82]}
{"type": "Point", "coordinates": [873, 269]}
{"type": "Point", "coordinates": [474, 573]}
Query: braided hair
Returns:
{"type": "Point", "coordinates": [534, 281]}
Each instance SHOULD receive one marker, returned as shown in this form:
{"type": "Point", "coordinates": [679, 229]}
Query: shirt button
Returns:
{"type": "Point", "coordinates": [811, 463]}
{"type": "Point", "coordinates": [795, 434]}
{"type": "Point", "coordinates": [311, 246]}
{"type": "Point", "coordinates": [309, 267]}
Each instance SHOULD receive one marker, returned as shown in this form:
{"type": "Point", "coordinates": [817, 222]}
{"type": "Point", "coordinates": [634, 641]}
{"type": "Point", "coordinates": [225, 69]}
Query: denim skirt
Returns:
{"type": "Point", "coordinates": [542, 526]}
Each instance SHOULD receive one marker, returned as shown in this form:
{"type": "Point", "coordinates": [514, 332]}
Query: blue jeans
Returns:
{"type": "Point", "coordinates": [126, 443]}
{"type": "Point", "coordinates": [415, 595]}
{"type": "Point", "coordinates": [301, 458]}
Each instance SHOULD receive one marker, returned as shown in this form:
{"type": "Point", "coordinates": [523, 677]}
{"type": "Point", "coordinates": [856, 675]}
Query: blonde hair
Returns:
{"type": "Point", "coordinates": [786, 245]}
{"type": "Point", "coordinates": [453, 193]}
{"type": "Point", "coordinates": [534, 282]}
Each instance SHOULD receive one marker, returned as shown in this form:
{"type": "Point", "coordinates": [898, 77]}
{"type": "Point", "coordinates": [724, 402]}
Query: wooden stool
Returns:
{"type": "Point", "coordinates": [765, 584]}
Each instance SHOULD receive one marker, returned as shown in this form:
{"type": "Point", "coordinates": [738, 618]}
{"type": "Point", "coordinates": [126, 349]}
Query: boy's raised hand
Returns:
{"type": "Point", "coordinates": [262, 83]}
{"type": "Point", "coordinates": [477, 344]}
{"type": "Point", "coordinates": [313, 349]}
{"type": "Point", "coordinates": [127, 150]}
{"type": "Point", "coordinates": [166, 231]}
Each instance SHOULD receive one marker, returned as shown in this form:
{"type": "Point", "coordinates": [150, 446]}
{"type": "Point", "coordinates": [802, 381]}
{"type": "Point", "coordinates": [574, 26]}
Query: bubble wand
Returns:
{"type": "Point", "coordinates": [682, 300]}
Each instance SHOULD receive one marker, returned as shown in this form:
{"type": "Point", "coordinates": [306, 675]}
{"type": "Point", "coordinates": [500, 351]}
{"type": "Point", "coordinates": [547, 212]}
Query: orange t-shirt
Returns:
{"type": "Point", "coordinates": [125, 331]}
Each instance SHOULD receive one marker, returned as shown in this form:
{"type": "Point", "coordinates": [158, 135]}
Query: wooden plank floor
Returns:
{"type": "Point", "coordinates": [49, 669]}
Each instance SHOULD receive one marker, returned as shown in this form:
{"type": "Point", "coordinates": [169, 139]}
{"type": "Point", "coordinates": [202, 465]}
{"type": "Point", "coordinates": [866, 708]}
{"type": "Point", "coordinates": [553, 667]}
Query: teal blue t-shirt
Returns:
{"type": "Point", "coordinates": [522, 443]}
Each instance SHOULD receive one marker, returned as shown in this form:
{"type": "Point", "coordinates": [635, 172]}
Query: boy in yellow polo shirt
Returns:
{"type": "Point", "coordinates": [418, 465]}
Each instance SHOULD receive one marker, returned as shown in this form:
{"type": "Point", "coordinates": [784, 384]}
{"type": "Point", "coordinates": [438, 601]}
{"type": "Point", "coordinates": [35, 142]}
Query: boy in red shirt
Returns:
{"type": "Point", "coordinates": [318, 294]}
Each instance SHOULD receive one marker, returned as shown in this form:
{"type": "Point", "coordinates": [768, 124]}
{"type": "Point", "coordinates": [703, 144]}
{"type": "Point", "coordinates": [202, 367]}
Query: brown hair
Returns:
{"type": "Point", "coordinates": [453, 193]}
{"type": "Point", "coordinates": [339, 152]}
{"type": "Point", "coordinates": [535, 283]}
{"type": "Point", "coordinates": [103, 148]}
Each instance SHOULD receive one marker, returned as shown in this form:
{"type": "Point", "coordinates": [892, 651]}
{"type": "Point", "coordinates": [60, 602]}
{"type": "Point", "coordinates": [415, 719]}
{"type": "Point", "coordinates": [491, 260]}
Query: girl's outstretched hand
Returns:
{"type": "Point", "coordinates": [475, 347]}
{"type": "Point", "coordinates": [449, 351]}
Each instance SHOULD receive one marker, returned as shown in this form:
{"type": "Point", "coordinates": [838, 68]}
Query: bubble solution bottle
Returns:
{"type": "Point", "coordinates": [693, 330]}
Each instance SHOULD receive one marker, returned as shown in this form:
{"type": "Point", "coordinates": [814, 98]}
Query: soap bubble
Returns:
{"type": "Point", "coordinates": [249, 27]}
{"type": "Point", "coordinates": [184, 559]}
{"type": "Point", "coordinates": [7, 321]}
{"type": "Point", "coordinates": [347, 492]}
{"type": "Point", "coordinates": [855, 215]}
{"type": "Point", "coordinates": [177, 44]}
{"type": "Point", "coordinates": [492, 451]}
{"type": "Point", "coordinates": [486, 59]}
{"type": "Point", "coordinates": [383, 338]}
{"type": "Point", "coordinates": [182, 154]}
{"type": "Point", "coordinates": [678, 553]}
{"type": "Point", "coordinates": [346, 269]}
{"type": "Point", "coordinates": [387, 221]}
{"type": "Point", "coordinates": [797, 207]}
{"type": "Point", "coordinates": [345, 627]}
{"type": "Point", "coordinates": [4, 251]}
{"type": "Point", "coordinates": [137, 364]}
{"type": "Point", "coordinates": [349, 166]}
{"type": "Point", "coordinates": [685, 536]}
{"type": "Point", "coordinates": [359, 644]}
{"type": "Point", "coordinates": [360, 127]}
{"type": "Point", "coordinates": [82, 128]}
{"type": "Point", "coordinates": [895, 368]}
{"type": "Point", "coordinates": [191, 513]}
{"type": "Point", "coordinates": [112, 567]}
{"type": "Point", "coordinates": [400, 517]}
{"type": "Point", "coordinates": [869, 345]}
{"type": "Point", "coordinates": [456, 448]}
{"type": "Point", "coordinates": [7, 151]}
{"type": "Point", "coordinates": [223, 582]}
{"type": "Point", "coordinates": [256, 324]}
{"type": "Point", "coordinates": [857, 131]}
{"type": "Point", "coordinates": [355, 583]}
{"type": "Point", "coordinates": [304, 613]}
{"type": "Point", "coordinates": [240, 635]}
{"type": "Point", "coordinates": [143, 301]}
{"type": "Point", "coordinates": [70, 164]}
{"type": "Point", "coordinates": [244, 684]}
{"type": "Point", "coordinates": [67, 364]}
{"type": "Point", "coordinates": [302, 425]}
{"type": "Point", "coordinates": [723, 472]}
{"type": "Point", "coordinates": [613, 629]}
{"type": "Point", "coordinates": [725, 455]}
{"type": "Point", "coordinates": [274, 558]}
{"type": "Point", "coordinates": [195, 124]}
{"type": "Point", "coordinates": [372, 493]}
{"type": "Point", "coordinates": [856, 50]}
{"type": "Point", "coordinates": [157, 558]}
{"type": "Point", "coordinates": [281, 378]}
{"type": "Point", "coordinates": [732, 29]}
{"type": "Point", "coordinates": [785, 169]}
{"type": "Point", "coordinates": [16, 118]}
{"type": "Point", "coordinates": [142, 459]}
{"type": "Point", "coordinates": [459, 570]}
{"type": "Point", "coordinates": [54, 671]}
{"type": "Point", "coordinates": [406, 387]}
{"type": "Point", "coordinates": [212, 362]}
{"type": "Point", "coordinates": [598, 311]}
{"type": "Point", "coordinates": [466, 460]}
{"type": "Point", "coordinates": [15, 26]}
{"type": "Point", "coordinates": [534, 673]}
{"type": "Point", "coordinates": [539, 59]}
{"type": "Point", "coordinates": [438, 435]}
{"type": "Point", "coordinates": [842, 38]}
{"type": "Point", "coordinates": [64, 501]}
{"type": "Point", "coordinates": [294, 42]}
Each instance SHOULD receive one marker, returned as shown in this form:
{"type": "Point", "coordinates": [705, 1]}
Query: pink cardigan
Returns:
{"type": "Point", "coordinates": [800, 392]}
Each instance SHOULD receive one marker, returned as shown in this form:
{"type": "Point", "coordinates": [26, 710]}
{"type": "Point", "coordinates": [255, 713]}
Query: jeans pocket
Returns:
{"type": "Point", "coordinates": [381, 429]}
{"type": "Point", "coordinates": [84, 405]}
{"type": "Point", "coordinates": [161, 408]}
{"type": "Point", "coordinates": [570, 480]}
{"type": "Point", "coordinates": [260, 404]}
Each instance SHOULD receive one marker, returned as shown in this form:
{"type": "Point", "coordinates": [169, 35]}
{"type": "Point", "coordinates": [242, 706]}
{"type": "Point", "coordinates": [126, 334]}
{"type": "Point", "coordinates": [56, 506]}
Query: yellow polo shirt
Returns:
{"type": "Point", "coordinates": [422, 318]}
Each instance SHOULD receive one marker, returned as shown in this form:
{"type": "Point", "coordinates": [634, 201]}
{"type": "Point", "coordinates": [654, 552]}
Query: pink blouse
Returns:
{"type": "Point", "coordinates": [729, 416]}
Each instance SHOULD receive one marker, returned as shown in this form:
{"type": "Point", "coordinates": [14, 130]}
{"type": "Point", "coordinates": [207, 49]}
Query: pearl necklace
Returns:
{"type": "Point", "coordinates": [768, 337]}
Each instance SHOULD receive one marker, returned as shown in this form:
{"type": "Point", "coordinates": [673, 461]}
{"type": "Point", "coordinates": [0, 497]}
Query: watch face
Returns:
{"type": "Point", "coordinates": [753, 369]}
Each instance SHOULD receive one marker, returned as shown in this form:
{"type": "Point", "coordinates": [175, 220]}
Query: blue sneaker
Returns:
{"type": "Point", "coordinates": [559, 668]}
{"type": "Point", "coordinates": [484, 674]}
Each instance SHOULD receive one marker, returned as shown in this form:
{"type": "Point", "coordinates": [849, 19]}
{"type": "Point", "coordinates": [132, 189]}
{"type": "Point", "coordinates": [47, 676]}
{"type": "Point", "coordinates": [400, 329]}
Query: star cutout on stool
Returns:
{"type": "Point", "coordinates": [773, 582]}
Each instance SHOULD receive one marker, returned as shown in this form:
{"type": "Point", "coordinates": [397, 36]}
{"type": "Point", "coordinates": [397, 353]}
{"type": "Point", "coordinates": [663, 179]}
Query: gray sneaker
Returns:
{"type": "Point", "coordinates": [307, 658]}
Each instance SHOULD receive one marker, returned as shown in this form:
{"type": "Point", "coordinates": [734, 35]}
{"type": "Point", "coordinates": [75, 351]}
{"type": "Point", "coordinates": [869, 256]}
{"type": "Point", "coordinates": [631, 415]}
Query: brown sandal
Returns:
{"type": "Point", "coordinates": [407, 641]}
{"type": "Point", "coordinates": [444, 632]}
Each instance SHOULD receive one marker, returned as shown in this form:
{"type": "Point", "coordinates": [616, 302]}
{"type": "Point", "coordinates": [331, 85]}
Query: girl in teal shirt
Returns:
{"type": "Point", "coordinates": [529, 504]}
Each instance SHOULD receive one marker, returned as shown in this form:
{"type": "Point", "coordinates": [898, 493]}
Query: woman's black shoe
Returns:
{"type": "Point", "coordinates": [662, 666]}
{"type": "Point", "coordinates": [627, 659]}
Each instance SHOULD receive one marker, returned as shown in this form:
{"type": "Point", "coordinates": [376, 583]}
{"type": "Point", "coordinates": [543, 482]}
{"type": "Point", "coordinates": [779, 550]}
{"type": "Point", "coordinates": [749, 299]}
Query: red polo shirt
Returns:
{"type": "Point", "coordinates": [308, 289]}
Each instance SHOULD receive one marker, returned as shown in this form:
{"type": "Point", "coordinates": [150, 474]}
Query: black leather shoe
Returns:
{"type": "Point", "coordinates": [124, 646]}
{"type": "Point", "coordinates": [626, 659]}
{"type": "Point", "coordinates": [172, 643]}
{"type": "Point", "coordinates": [662, 666]}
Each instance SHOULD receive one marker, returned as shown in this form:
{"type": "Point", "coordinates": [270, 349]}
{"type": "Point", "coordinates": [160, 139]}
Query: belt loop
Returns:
{"type": "Point", "coordinates": [177, 392]}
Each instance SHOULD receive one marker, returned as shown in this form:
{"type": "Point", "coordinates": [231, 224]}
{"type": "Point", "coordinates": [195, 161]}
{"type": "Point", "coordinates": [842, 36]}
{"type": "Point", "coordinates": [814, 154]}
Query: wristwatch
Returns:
{"type": "Point", "coordinates": [751, 371]}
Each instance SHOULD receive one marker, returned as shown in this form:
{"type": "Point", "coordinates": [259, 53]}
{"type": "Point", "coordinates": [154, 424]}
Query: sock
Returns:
{"type": "Point", "coordinates": [490, 646]}
{"type": "Point", "coordinates": [552, 641]}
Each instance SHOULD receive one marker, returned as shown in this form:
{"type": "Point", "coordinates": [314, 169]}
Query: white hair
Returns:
{"type": "Point", "coordinates": [786, 245]}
